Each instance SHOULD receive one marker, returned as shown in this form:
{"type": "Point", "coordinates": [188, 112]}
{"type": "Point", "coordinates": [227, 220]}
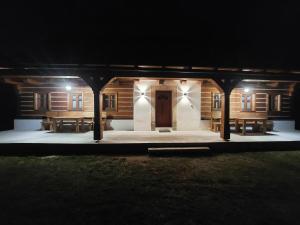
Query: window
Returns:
{"type": "Point", "coordinates": [76, 102]}
{"type": "Point", "coordinates": [275, 103]}
{"type": "Point", "coordinates": [216, 101]}
{"type": "Point", "coordinates": [248, 102]}
{"type": "Point", "coordinates": [40, 101]}
{"type": "Point", "coordinates": [110, 102]}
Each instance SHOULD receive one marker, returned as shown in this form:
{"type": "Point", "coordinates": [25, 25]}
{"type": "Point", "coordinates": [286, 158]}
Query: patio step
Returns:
{"type": "Point", "coordinates": [181, 150]}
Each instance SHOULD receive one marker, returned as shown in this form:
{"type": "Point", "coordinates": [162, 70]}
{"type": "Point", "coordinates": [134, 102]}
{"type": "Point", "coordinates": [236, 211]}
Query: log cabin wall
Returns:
{"type": "Point", "coordinates": [58, 99]}
{"type": "Point", "coordinates": [207, 89]}
{"type": "Point", "coordinates": [261, 93]}
{"type": "Point", "coordinates": [123, 89]}
{"type": "Point", "coordinates": [34, 101]}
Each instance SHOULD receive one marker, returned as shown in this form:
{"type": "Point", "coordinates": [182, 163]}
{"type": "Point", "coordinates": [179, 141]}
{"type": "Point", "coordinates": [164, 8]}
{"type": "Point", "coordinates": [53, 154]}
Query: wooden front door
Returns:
{"type": "Point", "coordinates": [163, 109]}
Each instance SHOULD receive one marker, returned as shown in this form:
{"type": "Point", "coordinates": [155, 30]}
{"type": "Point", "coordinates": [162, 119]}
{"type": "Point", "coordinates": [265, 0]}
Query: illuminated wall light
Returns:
{"type": "Point", "coordinates": [185, 98]}
{"type": "Point", "coordinates": [246, 70]}
{"type": "Point", "coordinates": [246, 90]}
{"type": "Point", "coordinates": [68, 88]}
{"type": "Point", "coordinates": [185, 94]}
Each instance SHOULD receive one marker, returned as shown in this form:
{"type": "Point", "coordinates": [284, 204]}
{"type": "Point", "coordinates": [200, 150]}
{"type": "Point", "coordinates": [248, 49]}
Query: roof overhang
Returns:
{"type": "Point", "coordinates": [79, 70]}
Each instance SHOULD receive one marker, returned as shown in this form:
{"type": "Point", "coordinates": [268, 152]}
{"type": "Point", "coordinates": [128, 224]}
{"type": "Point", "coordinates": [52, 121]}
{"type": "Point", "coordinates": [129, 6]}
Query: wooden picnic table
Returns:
{"type": "Point", "coordinates": [60, 120]}
{"type": "Point", "coordinates": [245, 120]}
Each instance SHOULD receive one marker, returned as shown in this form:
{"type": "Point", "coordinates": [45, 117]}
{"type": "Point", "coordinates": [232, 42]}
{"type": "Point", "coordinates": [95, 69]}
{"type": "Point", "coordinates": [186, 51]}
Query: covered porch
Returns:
{"type": "Point", "coordinates": [186, 107]}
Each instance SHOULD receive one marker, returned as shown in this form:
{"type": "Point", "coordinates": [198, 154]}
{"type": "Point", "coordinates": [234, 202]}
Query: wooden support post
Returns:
{"type": "Point", "coordinates": [98, 133]}
{"type": "Point", "coordinates": [225, 116]}
{"type": "Point", "coordinates": [97, 83]}
{"type": "Point", "coordinates": [226, 86]}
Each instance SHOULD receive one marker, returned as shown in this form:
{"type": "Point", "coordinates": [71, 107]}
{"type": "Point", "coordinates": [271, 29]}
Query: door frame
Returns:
{"type": "Point", "coordinates": [170, 102]}
{"type": "Point", "coordinates": [168, 86]}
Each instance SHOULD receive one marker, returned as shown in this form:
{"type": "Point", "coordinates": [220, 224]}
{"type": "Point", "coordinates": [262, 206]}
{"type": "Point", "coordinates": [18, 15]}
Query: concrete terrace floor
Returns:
{"type": "Point", "coordinates": [203, 136]}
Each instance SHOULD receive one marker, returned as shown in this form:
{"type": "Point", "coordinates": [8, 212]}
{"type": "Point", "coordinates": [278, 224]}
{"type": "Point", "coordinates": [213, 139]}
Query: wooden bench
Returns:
{"type": "Point", "coordinates": [215, 121]}
{"type": "Point", "coordinates": [88, 119]}
{"type": "Point", "coordinates": [270, 125]}
{"type": "Point", "coordinates": [215, 124]}
{"type": "Point", "coordinates": [256, 120]}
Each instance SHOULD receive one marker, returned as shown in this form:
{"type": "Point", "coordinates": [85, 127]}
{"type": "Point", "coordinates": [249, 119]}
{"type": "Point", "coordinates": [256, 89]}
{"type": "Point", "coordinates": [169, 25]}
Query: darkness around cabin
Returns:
{"type": "Point", "coordinates": [205, 33]}
{"type": "Point", "coordinates": [8, 110]}
{"type": "Point", "coordinates": [207, 188]}
{"type": "Point", "coordinates": [200, 33]}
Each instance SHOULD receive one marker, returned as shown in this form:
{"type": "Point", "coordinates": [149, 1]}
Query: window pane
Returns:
{"type": "Point", "coordinates": [109, 102]}
{"type": "Point", "coordinates": [243, 103]}
{"type": "Point", "coordinates": [113, 101]}
{"type": "Point", "coordinates": [74, 105]}
{"type": "Point", "coordinates": [216, 101]}
{"type": "Point", "coordinates": [105, 102]}
{"type": "Point", "coordinates": [271, 103]}
{"type": "Point", "coordinates": [44, 101]}
{"type": "Point", "coordinates": [80, 102]}
{"type": "Point", "coordinates": [248, 103]}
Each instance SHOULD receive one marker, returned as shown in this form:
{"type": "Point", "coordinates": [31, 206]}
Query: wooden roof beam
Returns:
{"type": "Point", "coordinates": [12, 81]}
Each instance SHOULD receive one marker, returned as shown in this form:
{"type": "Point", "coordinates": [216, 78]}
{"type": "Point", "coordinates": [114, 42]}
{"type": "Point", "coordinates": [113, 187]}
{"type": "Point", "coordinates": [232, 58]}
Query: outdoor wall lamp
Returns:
{"type": "Point", "coordinates": [68, 88]}
{"type": "Point", "coordinates": [246, 90]}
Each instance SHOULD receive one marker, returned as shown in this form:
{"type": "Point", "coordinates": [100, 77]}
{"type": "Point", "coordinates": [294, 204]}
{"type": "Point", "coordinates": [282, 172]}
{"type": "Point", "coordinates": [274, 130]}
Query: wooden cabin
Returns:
{"type": "Point", "coordinates": [148, 103]}
{"type": "Point", "coordinates": [38, 98]}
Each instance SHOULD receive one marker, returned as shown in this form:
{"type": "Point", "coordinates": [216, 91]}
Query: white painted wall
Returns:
{"type": "Point", "coordinates": [204, 124]}
{"type": "Point", "coordinates": [142, 105]}
{"type": "Point", "coordinates": [27, 124]}
{"type": "Point", "coordinates": [189, 106]}
{"type": "Point", "coordinates": [113, 124]}
{"type": "Point", "coordinates": [35, 124]}
{"type": "Point", "coordinates": [283, 125]}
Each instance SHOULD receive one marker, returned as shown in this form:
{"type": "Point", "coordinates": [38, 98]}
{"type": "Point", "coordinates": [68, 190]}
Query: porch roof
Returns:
{"type": "Point", "coordinates": [75, 70]}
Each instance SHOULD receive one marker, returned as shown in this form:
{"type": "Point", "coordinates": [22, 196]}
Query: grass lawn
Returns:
{"type": "Point", "coordinates": [245, 188]}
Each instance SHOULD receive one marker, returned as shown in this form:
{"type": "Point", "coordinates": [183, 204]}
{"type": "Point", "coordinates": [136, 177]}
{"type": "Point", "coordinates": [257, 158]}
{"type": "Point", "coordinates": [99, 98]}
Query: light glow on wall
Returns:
{"type": "Point", "coordinates": [246, 89]}
{"type": "Point", "coordinates": [141, 93]}
{"type": "Point", "coordinates": [68, 87]}
{"type": "Point", "coordinates": [184, 91]}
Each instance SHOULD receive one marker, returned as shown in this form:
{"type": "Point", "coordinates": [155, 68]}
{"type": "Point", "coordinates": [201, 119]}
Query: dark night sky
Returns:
{"type": "Point", "coordinates": [205, 34]}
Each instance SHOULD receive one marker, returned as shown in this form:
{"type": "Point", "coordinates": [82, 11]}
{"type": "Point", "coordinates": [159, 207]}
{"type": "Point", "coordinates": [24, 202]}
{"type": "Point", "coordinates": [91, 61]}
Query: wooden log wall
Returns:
{"type": "Point", "coordinates": [59, 99]}
{"type": "Point", "coordinates": [261, 92]}
{"type": "Point", "coordinates": [207, 89]}
{"type": "Point", "coordinates": [124, 91]}
{"type": "Point", "coordinates": [26, 100]}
